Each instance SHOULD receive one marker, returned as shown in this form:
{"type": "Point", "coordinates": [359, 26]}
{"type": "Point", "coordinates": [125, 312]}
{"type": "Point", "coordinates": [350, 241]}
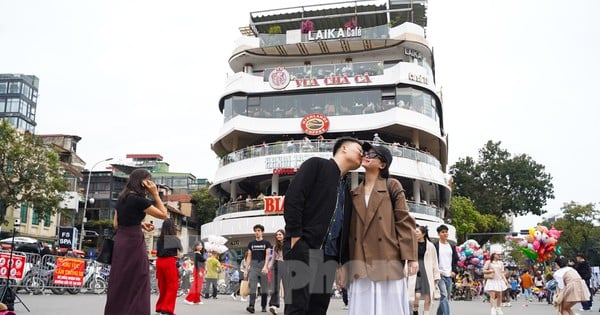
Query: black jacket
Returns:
{"type": "Point", "coordinates": [454, 255]}
{"type": "Point", "coordinates": [310, 202]}
{"type": "Point", "coordinates": [584, 270]}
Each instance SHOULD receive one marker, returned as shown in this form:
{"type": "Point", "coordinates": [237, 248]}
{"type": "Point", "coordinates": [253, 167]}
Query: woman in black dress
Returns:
{"type": "Point", "coordinates": [129, 282]}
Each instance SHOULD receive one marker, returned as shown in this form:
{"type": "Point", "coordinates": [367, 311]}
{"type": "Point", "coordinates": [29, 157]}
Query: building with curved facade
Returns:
{"type": "Point", "coordinates": [305, 76]}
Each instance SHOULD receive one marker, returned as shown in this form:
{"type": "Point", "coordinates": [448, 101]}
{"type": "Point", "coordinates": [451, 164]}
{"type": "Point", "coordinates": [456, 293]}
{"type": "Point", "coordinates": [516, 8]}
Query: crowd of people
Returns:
{"type": "Point", "coordinates": [360, 241]}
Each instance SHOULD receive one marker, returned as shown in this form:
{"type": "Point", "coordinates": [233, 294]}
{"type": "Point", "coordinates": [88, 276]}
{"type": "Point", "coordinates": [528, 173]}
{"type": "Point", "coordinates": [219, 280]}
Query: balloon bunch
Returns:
{"type": "Point", "coordinates": [470, 255]}
{"type": "Point", "coordinates": [216, 243]}
{"type": "Point", "coordinates": [540, 243]}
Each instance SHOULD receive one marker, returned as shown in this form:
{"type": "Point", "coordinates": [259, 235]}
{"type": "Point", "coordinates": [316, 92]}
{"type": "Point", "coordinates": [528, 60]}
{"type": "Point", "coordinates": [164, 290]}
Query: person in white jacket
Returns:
{"type": "Point", "coordinates": [422, 284]}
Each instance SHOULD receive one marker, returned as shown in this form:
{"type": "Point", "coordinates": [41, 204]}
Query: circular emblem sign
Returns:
{"type": "Point", "coordinates": [279, 78]}
{"type": "Point", "coordinates": [314, 124]}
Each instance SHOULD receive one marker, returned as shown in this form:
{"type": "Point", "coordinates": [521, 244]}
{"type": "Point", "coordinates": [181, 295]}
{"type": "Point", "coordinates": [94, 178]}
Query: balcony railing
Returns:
{"type": "Point", "coordinates": [302, 146]}
{"type": "Point", "coordinates": [377, 32]}
{"type": "Point", "coordinates": [258, 204]}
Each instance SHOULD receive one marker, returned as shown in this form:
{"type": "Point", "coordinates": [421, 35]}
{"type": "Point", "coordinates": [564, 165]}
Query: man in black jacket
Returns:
{"type": "Point", "coordinates": [585, 272]}
{"type": "Point", "coordinates": [317, 217]}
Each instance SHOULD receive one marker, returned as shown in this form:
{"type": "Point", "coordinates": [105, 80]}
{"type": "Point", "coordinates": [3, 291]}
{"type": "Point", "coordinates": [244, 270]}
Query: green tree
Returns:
{"type": "Point", "coordinates": [580, 231]}
{"type": "Point", "coordinates": [499, 184]}
{"type": "Point", "coordinates": [205, 205]}
{"type": "Point", "coordinates": [466, 219]}
{"type": "Point", "coordinates": [30, 173]}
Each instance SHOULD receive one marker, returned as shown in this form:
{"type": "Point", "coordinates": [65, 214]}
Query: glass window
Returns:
{"type": "Point", "coordinates": [239, 105]}
{"type": "Point", "coordinates": [24, 209]}
{"type": "Point", "coordinates": [47, 219]}
{"type": "Point", "coordinates": [2, 103]}
{"type": "Point", "coordinates": [427, 110]}
{"type": "Point", "coordinates": [31, 112]}
{"type": "Point", "coordinates": [12, 105]}
{"type": "Point", "coordinates": [35, 218]}
{"type": "Point", "coordinates": [14, 87]}
{"type": "Point", "coordinates": [26, 91]}
{"type": "Point", "coordinates": [180, 182]}
{"type": "Point", "coordinates": [227, 108]}
{"type": "Point", "coordinates": [3, 87]}
{"type": "Point", "coordinates": [24, 108]}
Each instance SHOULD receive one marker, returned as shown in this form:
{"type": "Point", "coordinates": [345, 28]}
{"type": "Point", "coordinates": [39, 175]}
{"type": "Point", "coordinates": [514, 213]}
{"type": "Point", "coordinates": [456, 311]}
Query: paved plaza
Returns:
{"type": "Point", "coordinates": [89, 304]}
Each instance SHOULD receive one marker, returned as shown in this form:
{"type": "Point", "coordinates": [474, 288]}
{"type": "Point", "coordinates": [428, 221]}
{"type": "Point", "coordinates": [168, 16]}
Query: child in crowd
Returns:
{"type": "Point", "coordinates": [514, 287]}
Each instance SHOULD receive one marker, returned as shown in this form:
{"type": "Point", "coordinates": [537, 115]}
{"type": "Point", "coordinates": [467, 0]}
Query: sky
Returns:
{"type": "Point", "coordinates": [146, 77]}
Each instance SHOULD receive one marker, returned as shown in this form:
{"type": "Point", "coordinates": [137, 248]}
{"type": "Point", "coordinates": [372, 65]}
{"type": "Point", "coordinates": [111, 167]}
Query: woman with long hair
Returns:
{"type": "Point", "coordinates": [497, 284]}
{"type": "Point", "coordinates": [381, 239]}
{"type": "Point", "coordinates": [570, 286]}
{"type": "Point", "coordinates": [129, 283]}
{"type": "Point", "coordinates": [421, 285]}
{"type": "Point", "coordinates": [194, 296]}
{"type": "Point", "coordinates": [274, 265]}
{"type": "Point", "coordinates": [167, 275]}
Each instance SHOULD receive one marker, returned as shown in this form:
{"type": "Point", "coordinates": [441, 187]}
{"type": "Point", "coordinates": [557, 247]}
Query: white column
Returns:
{"type": "Point", "coordinates": [416, 190]}
{"type": "Point", "coordinates": [275, 184]}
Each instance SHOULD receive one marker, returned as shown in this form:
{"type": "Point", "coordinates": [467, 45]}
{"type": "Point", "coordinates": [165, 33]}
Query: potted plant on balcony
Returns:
{"type": "Point", "coordinates": [274, 29]}
{"type": "Point", "coordinates": [273, 36]}
{"type": "Point", "coordinates": [307, 26]}
{"type": "Point", "coordinates": [351, 23]}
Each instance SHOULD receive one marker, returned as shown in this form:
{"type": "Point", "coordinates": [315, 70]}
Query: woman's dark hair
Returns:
{"type": "Point", "coordinates": [168, 228]}
{"type": "Point", "coordinates": [203, 250]}
{"type": "Point", "coordinates": [561, 261]}
{"type": "Point", "coordinates": [494, 255]}
{"type": "Point", "coordinates": [278, 243]}
{"type": "Point", "coordinates": [134, 184]}
{"type": "Point", "coordinates": [424, 231]}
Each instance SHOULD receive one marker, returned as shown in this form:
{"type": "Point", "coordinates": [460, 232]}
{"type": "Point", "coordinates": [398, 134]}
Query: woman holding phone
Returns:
{"type": "Point", "coordinates": [129, 283]}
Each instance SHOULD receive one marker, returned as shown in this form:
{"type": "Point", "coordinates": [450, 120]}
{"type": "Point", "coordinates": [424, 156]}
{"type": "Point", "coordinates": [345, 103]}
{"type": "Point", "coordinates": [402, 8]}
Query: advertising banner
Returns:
{"type": "Point", "coordinates": [16, 268]}
{"type": "Point", "coordinates": [69, 272]}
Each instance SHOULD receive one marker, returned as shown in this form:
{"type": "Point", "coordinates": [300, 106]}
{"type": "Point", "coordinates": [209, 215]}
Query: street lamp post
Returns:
{"type": "Point", "coordinates": [86, 200]}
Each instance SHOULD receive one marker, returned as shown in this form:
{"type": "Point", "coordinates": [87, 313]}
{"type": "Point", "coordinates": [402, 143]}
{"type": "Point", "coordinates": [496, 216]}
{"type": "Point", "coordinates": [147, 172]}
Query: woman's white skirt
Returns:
{"type": "Point", "coordinates": [378, 298]}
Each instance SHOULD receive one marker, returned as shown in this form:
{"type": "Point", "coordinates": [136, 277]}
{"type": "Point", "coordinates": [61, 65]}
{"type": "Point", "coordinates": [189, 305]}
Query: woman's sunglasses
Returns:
{"type": "Point", "coordinates": [371, 155]}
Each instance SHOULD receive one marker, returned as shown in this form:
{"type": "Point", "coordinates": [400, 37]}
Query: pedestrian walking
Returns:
{"type": "Point", "coordinates": [195, 294]}
{"type": "Point", "coordinates": [129, 282]}
{"type": "Point", "coordinates": [167, 275]}
{"type": "Point", "coordinates": [258, 269]}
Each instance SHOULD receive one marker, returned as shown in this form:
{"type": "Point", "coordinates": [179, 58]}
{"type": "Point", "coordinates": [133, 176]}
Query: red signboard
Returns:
{"type": "Point", "coordinates": [314, 124]}
{"type": "Point", "coordinates": [16, 268]}
{"type": "Point", "coordinates": [69, 271]}
{"type": "Point", "coordinates": [274, 205]}
{"type": "Point", "coordinates": [285, 171]}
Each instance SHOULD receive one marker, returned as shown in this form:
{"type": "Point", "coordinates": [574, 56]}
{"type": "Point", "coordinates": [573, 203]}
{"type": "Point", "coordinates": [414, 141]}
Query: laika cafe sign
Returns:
{"type": "Point", "coordinates": [280, 78]}
{"type": "Point", "coordinates": [334, 33]}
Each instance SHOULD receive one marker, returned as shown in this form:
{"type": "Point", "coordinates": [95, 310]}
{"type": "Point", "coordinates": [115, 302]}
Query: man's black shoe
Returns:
{"type": "Point", "coordinates": [250, 309]}
{"type": "Point", "coordinates": [264, 310]}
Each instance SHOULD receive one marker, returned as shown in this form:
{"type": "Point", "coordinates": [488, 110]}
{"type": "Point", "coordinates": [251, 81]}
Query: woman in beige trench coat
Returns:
{"type": "Point", "coordinates": [421, 285]}
{"type": "Point", "coordinates": [381, 241]}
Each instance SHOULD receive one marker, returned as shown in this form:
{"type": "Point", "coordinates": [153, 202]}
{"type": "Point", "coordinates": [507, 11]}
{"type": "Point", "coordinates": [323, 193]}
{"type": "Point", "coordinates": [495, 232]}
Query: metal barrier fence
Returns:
{"type": "Point", "coordinates": [58, 274]}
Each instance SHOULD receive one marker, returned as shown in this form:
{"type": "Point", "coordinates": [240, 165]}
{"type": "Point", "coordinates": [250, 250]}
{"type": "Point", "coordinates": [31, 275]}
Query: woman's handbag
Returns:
{"type": "Point", "coordinates": [244, 288]}
{"type": "Point", "coordinates": [488, 274]}
{"type": "Point", "coordinates": [436, 293]}
{"type": "Point", "coordinates": [105, 255]}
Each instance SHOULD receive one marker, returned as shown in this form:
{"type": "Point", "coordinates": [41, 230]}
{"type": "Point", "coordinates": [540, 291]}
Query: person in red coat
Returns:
{"type": "Point", "coordinates": [194, 297]}
{"type": "Point", "coordinates": [168, 245]}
